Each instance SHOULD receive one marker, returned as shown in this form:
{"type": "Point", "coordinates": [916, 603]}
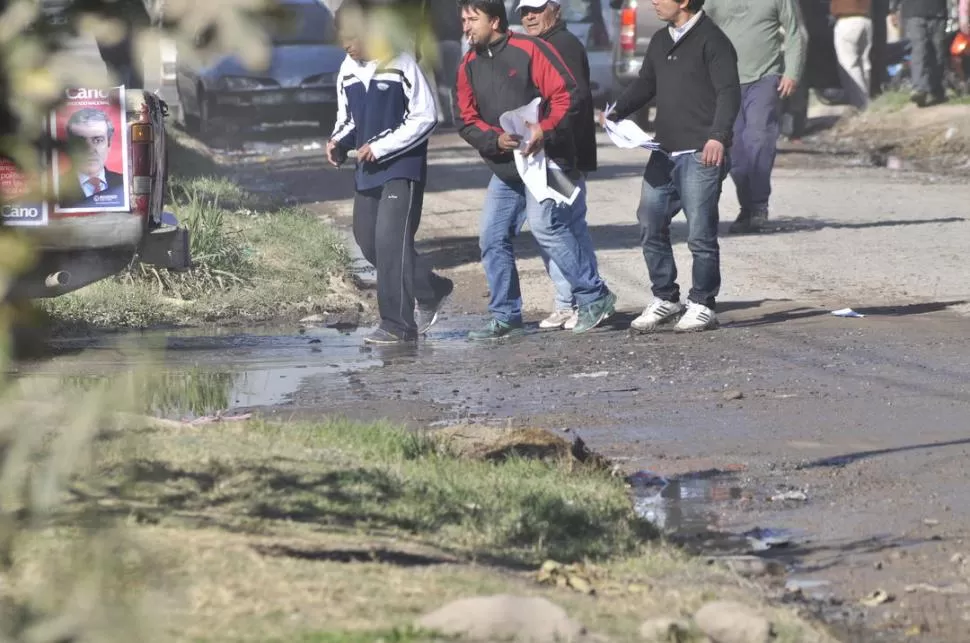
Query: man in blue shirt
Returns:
{"type": "Point", "coordinates": [386, 111]}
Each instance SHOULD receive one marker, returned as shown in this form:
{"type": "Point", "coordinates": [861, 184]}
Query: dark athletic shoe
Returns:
{"type": "Point", "coordinates": [386, 337]}
{"type": "Point", "coordinates": [496, 329]}
{"type": "Point", "coordinates": [425, 316]}
{"type": "Point", "coordinates": [596, 313]}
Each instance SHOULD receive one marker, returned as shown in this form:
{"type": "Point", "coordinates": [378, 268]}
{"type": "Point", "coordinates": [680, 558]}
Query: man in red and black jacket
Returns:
{"type": "Point", "coordinates": [501, 72]}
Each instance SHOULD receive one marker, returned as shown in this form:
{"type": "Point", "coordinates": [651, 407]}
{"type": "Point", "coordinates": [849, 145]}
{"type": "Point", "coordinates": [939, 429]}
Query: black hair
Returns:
{"type": "Point", "coordinates": [491, 8]}
{"type": "Point", "coordinates": [695, 5]}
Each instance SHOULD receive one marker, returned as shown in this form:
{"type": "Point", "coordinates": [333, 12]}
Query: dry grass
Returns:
{"type": "Point", "coordinates": [345, 532]}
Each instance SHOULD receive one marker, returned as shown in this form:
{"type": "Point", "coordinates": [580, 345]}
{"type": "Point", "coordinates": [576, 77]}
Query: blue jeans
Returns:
{"type": "Point", "coordinates": [669, 186]}
{"type": "Point", "coordinates": [551, 226]}
{"type": "Point", "coordinates": [755, 143]}
{"type": "Point", "coordinates": [564, 293]}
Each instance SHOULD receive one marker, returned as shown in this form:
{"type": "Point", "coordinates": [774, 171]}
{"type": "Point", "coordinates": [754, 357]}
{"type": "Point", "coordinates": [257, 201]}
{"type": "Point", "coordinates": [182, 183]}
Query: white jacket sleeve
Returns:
{"type": "Point", "coordinates": [420, 118]}
{"type": "Point", "coordinates": [345, 127]}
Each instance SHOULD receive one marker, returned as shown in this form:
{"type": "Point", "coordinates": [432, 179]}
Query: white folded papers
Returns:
{"type": "Point", "coordinates": [627, 135]}
{"type": "Point", "coordinates": [545, 180]}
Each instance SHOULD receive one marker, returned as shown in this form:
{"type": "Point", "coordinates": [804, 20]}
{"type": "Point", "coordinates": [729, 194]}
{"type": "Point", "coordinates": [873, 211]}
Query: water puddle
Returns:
{"type": "Point", "coordinates": [226, 370]}
{"type": "Point", "coordinates": [682, 505]}
{"type": "Point", "coordinates": [693, 511]}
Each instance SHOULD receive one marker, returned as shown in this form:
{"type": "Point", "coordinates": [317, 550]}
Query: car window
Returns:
{"type": "Point", "coordinates": [305, 24]}
{"type": "Point", "coordinates": [571, 11]}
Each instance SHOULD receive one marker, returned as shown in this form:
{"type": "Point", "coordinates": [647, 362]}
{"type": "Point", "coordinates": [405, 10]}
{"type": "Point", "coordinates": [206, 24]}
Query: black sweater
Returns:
{"type": "Point", "coordinates": [574, 55]}
{"type": "Point", "coordinates": [695, 82]}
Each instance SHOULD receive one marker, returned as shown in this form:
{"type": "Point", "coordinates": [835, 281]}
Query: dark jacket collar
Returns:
{"type": "Point", "coordinates": [495, 46]}
{"type": "Point", "coordinates": [554, 29]}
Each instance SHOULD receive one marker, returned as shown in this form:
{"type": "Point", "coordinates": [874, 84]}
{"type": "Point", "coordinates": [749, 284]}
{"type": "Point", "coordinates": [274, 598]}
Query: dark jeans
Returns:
{"type": "Point", "coordinates": [755, 143]}
{"type": "Point", "coordinates": [669, 186]}
{"type": "Point", "coordinates": [385, 222]}
{"type": "Point", "coordinates": [928, 62]}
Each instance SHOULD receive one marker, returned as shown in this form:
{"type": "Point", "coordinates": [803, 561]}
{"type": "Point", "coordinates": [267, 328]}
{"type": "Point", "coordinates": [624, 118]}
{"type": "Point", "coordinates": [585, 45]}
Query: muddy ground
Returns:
{"type": "Point", "coordinates": [865, 417]}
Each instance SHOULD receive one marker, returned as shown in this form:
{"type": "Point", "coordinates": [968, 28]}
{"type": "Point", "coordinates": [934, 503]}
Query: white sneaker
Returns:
{"type": "Point", "coordinates": [697, 317]}
{"type": "Point", "coordinates": [572, 321]}
{"type": "Point", "coordinates": [657, 313]}
{"type": "Point", "coordinates": [558, 319]}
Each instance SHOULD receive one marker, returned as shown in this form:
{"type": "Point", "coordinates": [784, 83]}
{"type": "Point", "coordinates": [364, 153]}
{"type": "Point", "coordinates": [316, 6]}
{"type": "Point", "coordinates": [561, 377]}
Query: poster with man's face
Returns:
{"type": "Point", "coordinates": [92, 174]}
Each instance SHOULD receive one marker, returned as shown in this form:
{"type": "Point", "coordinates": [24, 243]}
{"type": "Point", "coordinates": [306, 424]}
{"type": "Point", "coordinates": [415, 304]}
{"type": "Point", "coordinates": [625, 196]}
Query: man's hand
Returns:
{"type": "Point", "coordinates": [535, 141]}
{"type": "Point", "coordinates": [508, 142]}
{"type": "Point", "coordinates": [365, 154]}
{"type": "Point", "coordinates": [786, 87]}
{"type": "Point", "coordinates": [332, 152]}
{"type": "Point", "coordinates": [965, 27]}
{"type": "Point", "coordinates": [713, 153]}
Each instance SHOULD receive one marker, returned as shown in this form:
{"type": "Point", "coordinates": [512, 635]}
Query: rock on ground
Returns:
{"type": "Point", "coordinates": [665, 630]}
{"type": "Point", "coordinates": [731, 622]}
{"type": "Point", "coordinates": [504, 617]}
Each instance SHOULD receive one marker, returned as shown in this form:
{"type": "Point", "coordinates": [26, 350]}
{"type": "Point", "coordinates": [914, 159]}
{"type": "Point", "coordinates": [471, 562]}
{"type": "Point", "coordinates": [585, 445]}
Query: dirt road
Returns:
{"type": "Point", "coordinates": [867, 417]}
{"type": "Point", "coordinates": [862, 420]}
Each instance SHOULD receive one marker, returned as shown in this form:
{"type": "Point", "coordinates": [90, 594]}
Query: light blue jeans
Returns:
{"type": "Point", "coordinates": [507, 207]}
{"type": "Point", "coordinates": [564, 299]}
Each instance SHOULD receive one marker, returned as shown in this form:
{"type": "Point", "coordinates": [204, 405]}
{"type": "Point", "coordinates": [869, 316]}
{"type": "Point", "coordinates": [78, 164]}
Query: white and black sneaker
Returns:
{"type": "Point", "coordinates": [658, 312]}
{"type": "Point", "coordinates": [697, 317]}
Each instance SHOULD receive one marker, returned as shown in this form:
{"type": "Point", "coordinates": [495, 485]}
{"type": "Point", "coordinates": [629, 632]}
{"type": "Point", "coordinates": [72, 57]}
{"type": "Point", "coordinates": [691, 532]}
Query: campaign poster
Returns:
{"type": "Point", "coordinates": [91, 174]}
{"type": "Point", "coordinates": [23, 203]}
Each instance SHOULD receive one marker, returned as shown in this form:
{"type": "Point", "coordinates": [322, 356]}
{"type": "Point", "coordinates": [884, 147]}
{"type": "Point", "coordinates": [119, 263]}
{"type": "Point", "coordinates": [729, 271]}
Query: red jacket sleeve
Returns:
{"type": "Point", "coordinates": [556, 86]}
{"type": "Point", "coordinates": [476, 132]}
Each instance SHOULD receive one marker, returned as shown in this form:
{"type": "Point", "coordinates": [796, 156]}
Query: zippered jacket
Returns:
{"type": "Point", "coordinates": [388, 106]}
{"type": "Point", "coordinates": [507, 74]}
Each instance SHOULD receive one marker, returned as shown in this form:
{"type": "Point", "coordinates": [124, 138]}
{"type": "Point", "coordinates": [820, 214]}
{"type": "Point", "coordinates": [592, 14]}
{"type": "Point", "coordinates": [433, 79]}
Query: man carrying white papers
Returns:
{"type": "Point", "coordinates": [691, 69]}
{"type": "Point", "coordinates": [503, 72]}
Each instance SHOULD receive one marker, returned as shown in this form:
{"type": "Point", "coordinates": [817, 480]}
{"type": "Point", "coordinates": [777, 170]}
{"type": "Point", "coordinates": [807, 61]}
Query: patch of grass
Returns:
{"type": "Point", "coordinates": [249, 267]}
{"type": "Point", "coordinates": [253, 260]}
{"type": "Point", "coordinates": [339, 531]}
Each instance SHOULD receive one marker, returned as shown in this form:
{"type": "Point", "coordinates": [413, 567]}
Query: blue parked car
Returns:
{"type": "Point", "coordinates": [300, 83]}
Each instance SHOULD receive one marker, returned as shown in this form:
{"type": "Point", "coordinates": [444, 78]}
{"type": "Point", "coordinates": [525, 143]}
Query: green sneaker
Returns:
{"type": "Point", "coordinates": [496, 329]}
{"type": "Point", "coordinates": [596, 313]}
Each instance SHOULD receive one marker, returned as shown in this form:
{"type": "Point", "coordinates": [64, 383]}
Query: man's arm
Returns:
{"type": "Point", "coordinates": [421, 115]}
{"type": "Point", "coordinates": [476, 132]}
{"type": "Point", "coordinates": [796, 38]}
{"type": "Point", "coordinates": [964, 13]}
{"type": "Point", "coordinates": [344, 130]}
{"type": "Point", "coordinates": [640, 92]}
{"type": "Point", "coordinates": [722, 66]}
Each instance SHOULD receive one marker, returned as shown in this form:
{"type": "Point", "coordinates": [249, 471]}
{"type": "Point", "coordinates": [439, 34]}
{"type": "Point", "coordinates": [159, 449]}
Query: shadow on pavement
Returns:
{"type": "Point", "coordinates": [451, 252]}
{"type": "Point", "coordinates": [849, 458]}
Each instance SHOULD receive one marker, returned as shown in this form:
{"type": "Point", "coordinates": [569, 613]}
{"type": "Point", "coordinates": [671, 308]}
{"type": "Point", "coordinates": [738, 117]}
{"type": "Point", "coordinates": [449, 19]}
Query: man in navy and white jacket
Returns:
{"type": "Point", "coordinates": [386, 111]}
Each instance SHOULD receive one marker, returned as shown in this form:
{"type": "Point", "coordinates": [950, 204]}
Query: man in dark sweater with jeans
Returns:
{"type": "Point", "coordinates": [691, 69]}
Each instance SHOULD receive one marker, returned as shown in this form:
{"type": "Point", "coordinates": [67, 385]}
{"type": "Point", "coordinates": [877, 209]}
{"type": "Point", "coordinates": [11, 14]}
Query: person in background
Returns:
{"type": "Point", "coordinates": [501, 72]}
{"type": "Point", "coordinates": [924, 25]}
{"type": "Point", "coordinates": [542, 19]}
{"type": "Point", "coordinates": [386, 112]}
{"type": "Point", "coordinates": [691, 69]}
{"type": "Point", "coordinates": [771, 43]}
{"type": "Point", "coordinates": [446, 25]}
{"type": "Point", "coordinates": [853, 43]}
